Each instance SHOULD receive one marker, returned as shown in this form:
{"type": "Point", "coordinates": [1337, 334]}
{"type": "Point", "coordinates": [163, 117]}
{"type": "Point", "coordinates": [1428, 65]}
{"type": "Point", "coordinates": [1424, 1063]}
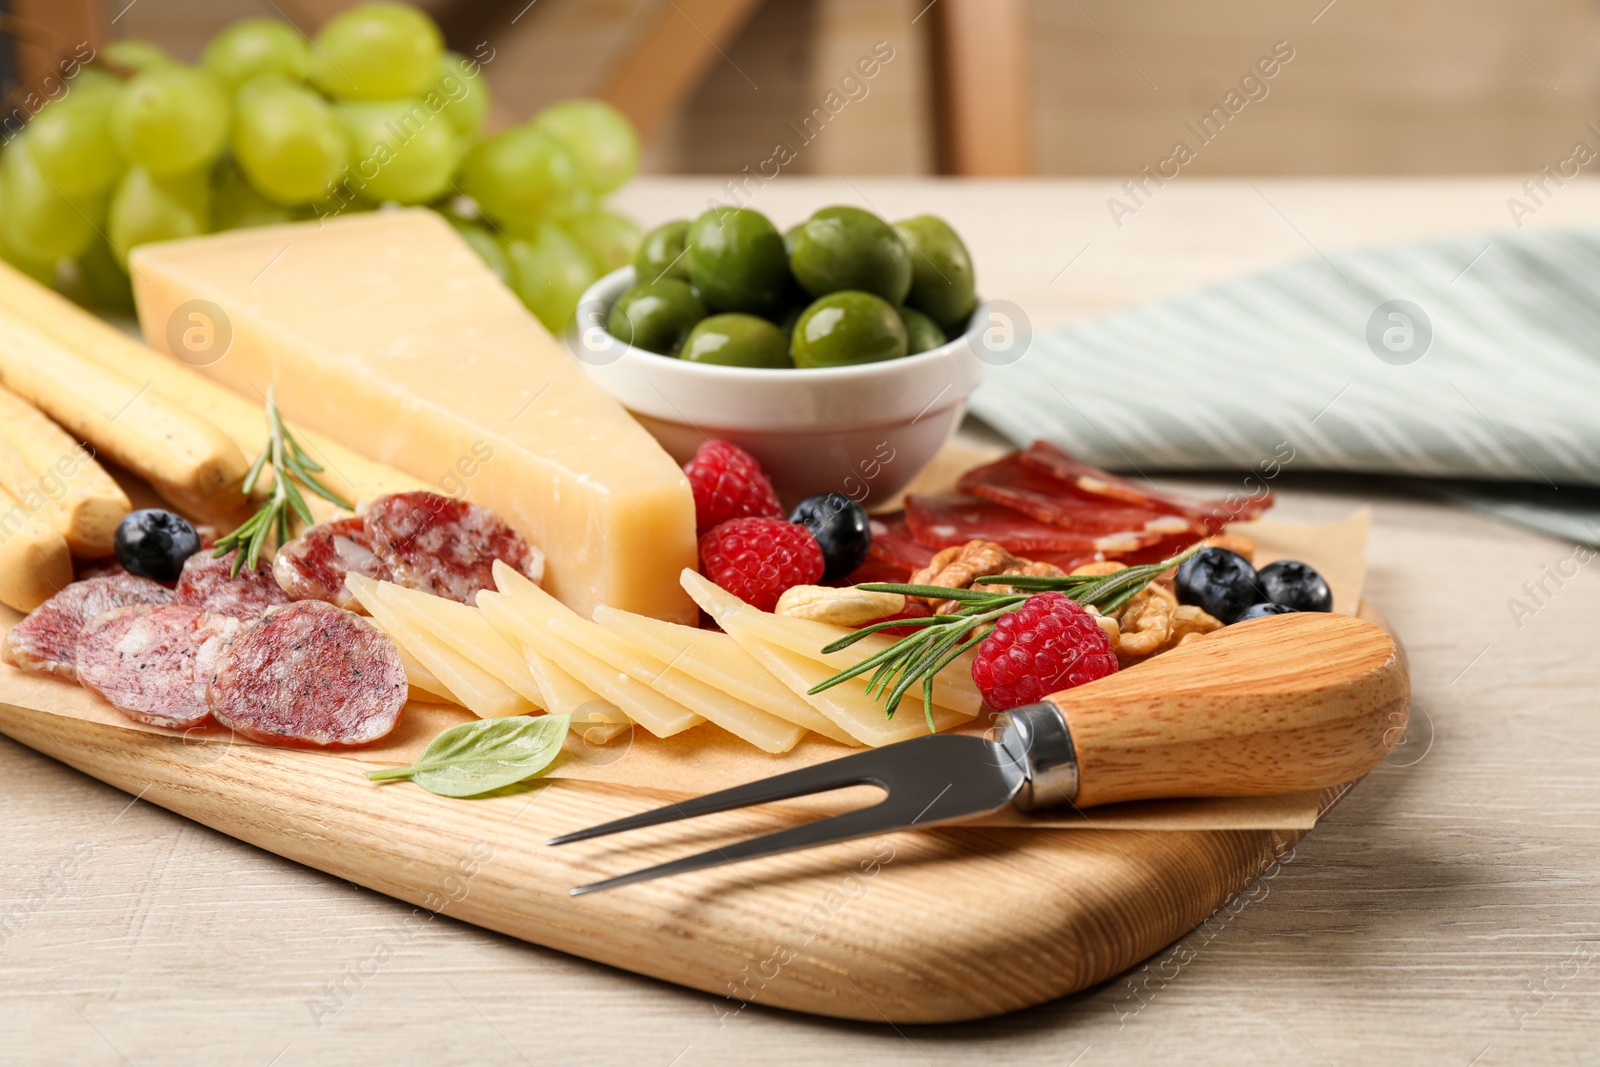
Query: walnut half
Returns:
{"type": "Point", "coordinates": [956, 568]}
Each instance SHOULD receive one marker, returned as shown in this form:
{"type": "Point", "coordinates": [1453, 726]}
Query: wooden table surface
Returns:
{"type": "Point", "coordinates": [1448, 911]}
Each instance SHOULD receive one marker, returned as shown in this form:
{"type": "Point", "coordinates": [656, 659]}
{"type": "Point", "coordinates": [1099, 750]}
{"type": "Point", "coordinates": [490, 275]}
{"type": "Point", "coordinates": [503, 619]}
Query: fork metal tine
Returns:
{"type": "Point", "coordinates": [863, 768]}
{"type": "Point", "coordinates": [863, 822]}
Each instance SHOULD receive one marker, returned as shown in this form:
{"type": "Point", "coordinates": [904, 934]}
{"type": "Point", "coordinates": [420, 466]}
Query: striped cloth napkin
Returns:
{"type": "Point", "coordinates": [1472, 361]}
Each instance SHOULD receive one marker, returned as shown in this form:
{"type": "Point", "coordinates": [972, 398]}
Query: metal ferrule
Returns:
{"type": "Point", "coordinates": [1037, 739]}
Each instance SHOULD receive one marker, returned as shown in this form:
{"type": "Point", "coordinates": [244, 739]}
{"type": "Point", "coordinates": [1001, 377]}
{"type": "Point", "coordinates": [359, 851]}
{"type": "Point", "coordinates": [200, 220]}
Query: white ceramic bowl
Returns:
{"type": "Point", "coordinates": [863, 431]}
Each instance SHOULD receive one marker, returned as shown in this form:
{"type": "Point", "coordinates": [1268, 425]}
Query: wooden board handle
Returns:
{"type": "Point", "coordinates": [1275, 705]}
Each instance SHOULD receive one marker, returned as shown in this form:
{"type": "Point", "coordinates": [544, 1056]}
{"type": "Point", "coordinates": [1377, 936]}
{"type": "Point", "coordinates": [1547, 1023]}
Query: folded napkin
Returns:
{"type": "Point", "coordinates": [1473, 358]}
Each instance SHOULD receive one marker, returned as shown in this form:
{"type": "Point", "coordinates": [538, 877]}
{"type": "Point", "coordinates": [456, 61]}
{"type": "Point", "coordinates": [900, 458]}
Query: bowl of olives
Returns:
{"type": "Point", "coordinates": [840, 354]}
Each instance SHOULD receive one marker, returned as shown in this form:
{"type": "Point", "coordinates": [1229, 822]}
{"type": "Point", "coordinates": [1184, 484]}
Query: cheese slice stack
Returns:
{"type": "Point", "coordinates": [387, 333]}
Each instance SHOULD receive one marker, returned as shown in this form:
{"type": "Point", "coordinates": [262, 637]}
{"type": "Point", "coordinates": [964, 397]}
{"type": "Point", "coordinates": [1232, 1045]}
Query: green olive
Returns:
{"type": "Point", "coordinates": [656, 316]}
{"type": "Point", "coordinates": [847, 248]}
{"type": "Point", "coordinates": [660, 255]}
{"type": "Point", "coordinates": [942, 281]}
{"type": "Point", "coordinates": [843, 329]}
{"type": "Point", "coordinates": [922, 333]}
{"type": "Point", "coordinates": [738, 340]}
{"type": "Point", "coordinates": [736, 261]}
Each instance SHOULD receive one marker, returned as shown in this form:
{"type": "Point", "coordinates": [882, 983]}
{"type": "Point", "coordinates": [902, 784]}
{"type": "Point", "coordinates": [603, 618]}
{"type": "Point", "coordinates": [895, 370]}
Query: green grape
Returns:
{"type": "Point", "coordinates": [376, 52]}
{"type": "Point", "coordinates": [93, 81]}
{"type": "Point", "coordinates": [399, 150]}
{"type": "Point", "coordinates": [171, 119]}
{"type": "Point", "coordinates": [287, 140]}
{"type": "Point", "coordinates": [235, 204]}
{"type": "Point", "coordinates": [105, 283]}
{"type": "Point", "coordinates": [598, 136]}
{"type": "Point", "coordinates": [609, 238]}
{"type": "Point", "coordinates": [147, 208]}
{"type": "Point", "coordinates": [462, 91]}
{"type": "Point", "coordinates": [518, 176]}
{"type": "Point", "coordinates": [134, 54]}
{"type": "Point", "coordinates": [70, 142]}
{"type": "Point", "coordinates": [257, 46]}
{"type": "Point", "coordinates": [42, 271]}
{"type": "Point", "coordinates": [486, 244]}
{"type": "Point", "coordinates": [39, 221]}
{"type": "Point", "coordinates": [550, 271]}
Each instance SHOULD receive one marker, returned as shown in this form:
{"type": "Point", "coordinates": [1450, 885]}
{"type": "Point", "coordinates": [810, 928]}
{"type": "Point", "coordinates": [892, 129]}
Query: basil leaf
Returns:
{"type": "Point", "coordinates": [478, 757]}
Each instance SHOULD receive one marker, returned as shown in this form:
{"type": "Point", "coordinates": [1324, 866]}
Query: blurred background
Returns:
{"type": "Point", "coordinates": [1050, 87]}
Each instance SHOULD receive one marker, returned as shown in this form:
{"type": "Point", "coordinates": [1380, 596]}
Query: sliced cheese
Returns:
{"type": "Point", "coordinates": [463, 629]}
{"type": "Point", "coordinates": [595, 719]}
{"type": "Point", "coordinates": [847, 704]}
{"type": "Point", "coordinates": [717, 660]}
{"type": "Point", "coordinates": [952, 687]}
{"type": "Point", "coordinates": [423, 684]}
{"type": "Point", "coordinates": [526, 618]}
{"type": "Point", "coordinates": [470, 685]}
{"type": "Point", "coordinates": [388, 333]}
{"type": "Point", "coordinates": [767, 732]}
{"type": "Point", "coordinates": [241, 417]}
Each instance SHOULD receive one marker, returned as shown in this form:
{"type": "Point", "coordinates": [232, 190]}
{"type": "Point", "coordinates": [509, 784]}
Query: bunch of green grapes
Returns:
{"type": "Point", "coordinates": [272, 127]}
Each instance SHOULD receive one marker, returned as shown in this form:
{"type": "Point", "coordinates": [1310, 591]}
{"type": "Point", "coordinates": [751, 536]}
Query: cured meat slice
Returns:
{"type": "Point", "coordinates": [153, 662]}
{"type": "Point", "coordinates": [445, 547]}
{"type": "Point", "coordinates": [1020, 487]}
{"type": "Point", "coordinates": [313, 566]}
{"type": "Point", "coordinates": [954, 519]}
{"type": "Point", "coordinates": [309, 673]}
{"type": "Point", "coordinates": [208, 583]}
{"type": "Point", "coordinates": [46, 641]}
{"type": "Point", "coordinates": [894, 546]}
{"type": "Point", "coordinates": [1212, 515]}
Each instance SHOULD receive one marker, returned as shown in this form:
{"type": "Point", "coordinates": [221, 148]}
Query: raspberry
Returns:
{"type": "Point", "coordinates": [728, 483]}
{"type": "Point", "coordinates": [1048, 644]}
{"type": "Point", "coordinates": [757, 559]}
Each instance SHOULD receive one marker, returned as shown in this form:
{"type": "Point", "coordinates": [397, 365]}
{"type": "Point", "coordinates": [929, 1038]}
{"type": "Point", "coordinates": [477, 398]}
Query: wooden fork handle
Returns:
{"type": "Point", "coordinates": [1275, 705]}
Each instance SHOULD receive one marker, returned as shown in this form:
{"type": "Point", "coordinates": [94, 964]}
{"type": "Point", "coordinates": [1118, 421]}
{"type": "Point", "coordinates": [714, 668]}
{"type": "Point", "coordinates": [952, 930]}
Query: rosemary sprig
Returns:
{"type": "Point", "coordinates": [288, 461]}
{"type": "Point", "coordinates": [941, 639]}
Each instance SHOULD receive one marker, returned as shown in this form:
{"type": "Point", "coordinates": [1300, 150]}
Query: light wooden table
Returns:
{"type": "Point", "coordinates": [1448, 911]}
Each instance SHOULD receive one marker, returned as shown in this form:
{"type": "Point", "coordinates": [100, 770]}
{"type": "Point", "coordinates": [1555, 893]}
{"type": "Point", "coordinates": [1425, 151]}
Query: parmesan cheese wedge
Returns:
{"type": "Point", "coordinates": [528, 611]}
{"type": "Point", "coordinates": [387, 332]}
{"type": "Point", "coordinates": [718, 661]}
{"type": "Point", "coordinates": [424, 686]}
{"type": "Point", "coordinates": [848, 704]}
{"type": "Point", "coordinates": [595, 719]}
{"type": "Point", "coordinates": [767, 732]}
{"type": "Point", "coordinates": [469, 685]}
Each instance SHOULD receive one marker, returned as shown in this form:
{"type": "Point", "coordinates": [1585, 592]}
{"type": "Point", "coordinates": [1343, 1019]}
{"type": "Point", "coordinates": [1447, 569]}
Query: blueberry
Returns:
{"type": "Point", "coordinates": [153, 544]}
{"type": "Point", "coordinates": [1295, 585]}
{"type": "Point", "coordinates": [1218, 582]}
{"type": "Point", "coordinates": [840, 526]}
{"type": "Point", "coordinates": [1261, 611]}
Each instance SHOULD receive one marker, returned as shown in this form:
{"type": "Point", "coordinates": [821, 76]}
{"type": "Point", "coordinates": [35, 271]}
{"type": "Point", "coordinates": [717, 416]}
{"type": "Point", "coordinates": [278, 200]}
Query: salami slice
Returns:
{"type": "Point", "coordinates": [894, 546]}
{"type": "Point", "coordinates": [313, 566]}
{"type": "Point", "coordinates": [309, 673]}
{"type": "Point", "coordinates": [208, 583]}
{"type": "Point", "coordinates": [153, 662]}
{"type": "Point", "coordinates": [955, 518]}
{"type": "Point", "coordinates": [46, 641]}
{"type": "Point", "coordinates": [1040, 496]}
{"type": "Point", "coordinates": [1211, 515]}
{"type": "Point", "coordinates": [445, 547]}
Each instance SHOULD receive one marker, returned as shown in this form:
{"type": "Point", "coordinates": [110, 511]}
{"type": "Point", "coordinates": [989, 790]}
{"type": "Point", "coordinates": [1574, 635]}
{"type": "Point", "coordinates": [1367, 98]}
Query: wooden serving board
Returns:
{"type": "Point", "coordinates": [928, 926]}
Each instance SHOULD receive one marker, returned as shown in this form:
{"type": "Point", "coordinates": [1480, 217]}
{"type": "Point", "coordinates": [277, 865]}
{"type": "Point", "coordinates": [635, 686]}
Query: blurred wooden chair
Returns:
{"type": "Point", "coordinates": [981, 107]}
